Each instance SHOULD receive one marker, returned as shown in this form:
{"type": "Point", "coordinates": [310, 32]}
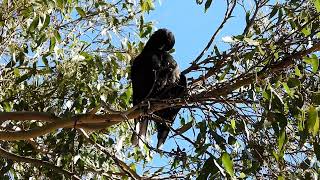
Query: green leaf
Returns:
{"type": "Point", "coordinates": [207, 5]}
{"type": "Point", "coordinates": [317, 5]}
{"type": "Point", "coordinates": [281, 140]}
{"type": "Point", "coordinates": [293, 82]}
{"type": "Point", "coordinates": [34, 24]}
{"type": "Point", "coordinates": [297, 71]}
{"type": "Point", "coordinates": [208, 168]}
{"type": "Point", "coordinates": [147, 5]}
{"type": "Point", "coordinates": [247, 17]}
{"type": "Point", "coordinates": [7, 106]}
{"type": "Point", "coordinates": [81, 12]}
{"type": "Point", "coordinates": [184, 128]}
{"type": "Point", "coordinates": [228, 164]}
{"type": "Point", "coordinates": [274, 11]}
{"type": "Point", "coordinates": [287, 89]}
{"type": "Point", "coordinates": [313, 61]}
{"type": "Point", "coordinates": [46, 22]}
{"type": "Point", "coordinates": [281, 178]}
{"type": "Point", "coordinates": [313, 121]}
{"type": "Point", "coordinates": [57, 35]}
{"type": "Point", "coordinates": [60, 4]}
{"type": "Point", "coordinates": [277, 102]}
{"type": "Point", "coordinates": [16, 72]}
{"type": "Point", "coordinates": [306, 31]}
{"type": "Point", "coordinates": [45, 60]}
{"type": "Point", "coordinates": [275, 155]}
{"type": "Point", "coordinates": [315, 98]}
{"type": "Point", "coordinates": [233, 124]}
{"type": "Point", "coordinates": [52, 44]}
{"type": "Point", "coordinates": [242, 175]}
{"type": "Point", "coordinates": [146, 32]}
{"type": "Point", "coordinates": [216, 50]}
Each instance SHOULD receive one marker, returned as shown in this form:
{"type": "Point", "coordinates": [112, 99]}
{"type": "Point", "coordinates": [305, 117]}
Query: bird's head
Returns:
{"type": "Point", "coordinates": [162, 40]}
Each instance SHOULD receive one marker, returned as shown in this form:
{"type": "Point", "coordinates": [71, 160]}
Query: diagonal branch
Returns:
{"type": "Point", "coordinates": [122, 165]}
{"type": "Point", "coordinates": [226, 18]}
{"type": "Point", "coordinates": [227, 87]}
{"type": "Point", "coordinates": [8, 155]}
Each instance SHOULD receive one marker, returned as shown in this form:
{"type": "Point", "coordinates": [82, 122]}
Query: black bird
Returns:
{"type": "Point", "coordinates": [155, 75]}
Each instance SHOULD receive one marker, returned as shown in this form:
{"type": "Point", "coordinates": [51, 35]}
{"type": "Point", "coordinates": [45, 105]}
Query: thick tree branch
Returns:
{"type": "Point", "coordinates": [42, 116]}
{"type": "Point", "coordinates": [82, 119]}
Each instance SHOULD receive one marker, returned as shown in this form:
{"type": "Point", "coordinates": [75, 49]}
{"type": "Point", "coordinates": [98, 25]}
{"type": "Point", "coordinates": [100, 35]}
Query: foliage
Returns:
{"type": "Point", "coordinates": [252, 109]}
{"type": "Point", "coordinates": [66, 57]}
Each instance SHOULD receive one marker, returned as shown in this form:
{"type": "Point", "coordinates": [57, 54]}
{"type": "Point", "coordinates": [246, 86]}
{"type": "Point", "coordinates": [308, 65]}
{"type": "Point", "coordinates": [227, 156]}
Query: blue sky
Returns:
{"type": "Point", "coordinates": [193, 27]}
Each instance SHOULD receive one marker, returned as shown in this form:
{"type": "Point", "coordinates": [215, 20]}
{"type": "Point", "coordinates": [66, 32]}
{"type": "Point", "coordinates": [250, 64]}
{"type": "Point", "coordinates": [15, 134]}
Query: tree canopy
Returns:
{"type": "Point", "coordinates": [252, 109]}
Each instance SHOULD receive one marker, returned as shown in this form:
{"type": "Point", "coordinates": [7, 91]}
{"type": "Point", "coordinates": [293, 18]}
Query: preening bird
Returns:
{"type": "Point", "coordinates": [155, 75]}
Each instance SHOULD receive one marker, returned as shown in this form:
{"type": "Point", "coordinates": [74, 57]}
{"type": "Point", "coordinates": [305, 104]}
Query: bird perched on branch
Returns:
{"type": "Point", "coordinates": [155, 75]}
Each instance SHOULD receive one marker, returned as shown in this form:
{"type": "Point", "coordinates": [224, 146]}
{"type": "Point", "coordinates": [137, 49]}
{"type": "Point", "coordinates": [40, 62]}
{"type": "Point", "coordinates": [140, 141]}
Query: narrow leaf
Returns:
{"type": "Point", "coordinates": [60, 4]}
{"type": "Point", "coordinates": [315, 98]}
{"type": "Point", "coordinates": [274, 11]}
{"type": "Point", "coordinates": [34, 24]}
{"type": "Point", "coordinates": [228, 164]}
{"type": "Point", "coordinates": [185, 127]}
{"type": "Point", "coordinates": [207, 5]}
{"type": "Point", "coordinates": [281, 140]}
{"type": "Point", "coordinates": [317, 4]}
{"type": "Point", "coordinates": [46, 22]}
{"type": "Point", "coordinates": [81, 12]}
{"type": "Point", "coordinates": [313, 121]}
{"type": "Point", "coordinates": [313, 61]}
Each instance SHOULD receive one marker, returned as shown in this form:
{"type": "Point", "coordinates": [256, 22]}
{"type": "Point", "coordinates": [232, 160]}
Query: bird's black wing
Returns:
{"type": "Point", "coordinates": [168, 115]}
{"type": "Point", "coordinates": [145, 84]}
{"type": "Point", "coordinates": [176, 85]}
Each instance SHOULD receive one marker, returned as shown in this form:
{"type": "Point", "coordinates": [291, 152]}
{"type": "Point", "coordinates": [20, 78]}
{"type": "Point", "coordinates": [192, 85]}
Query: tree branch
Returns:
{"type": "Point", "coordinates": [122, 165]}
{"type": "Point", "coordinates": [36, 162]}
{"type": "Point", "coordinates": [227, 87]}
{"type": "Point", "coordinates": [81, 119]}
{"type": "Point", "coordinates": [227, 16]}
{"type": "Point", "coordinates": [21, 116]}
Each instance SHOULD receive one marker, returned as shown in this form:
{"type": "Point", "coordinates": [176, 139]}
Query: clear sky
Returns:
{"type": "Point", "coordinates": [193, 27]}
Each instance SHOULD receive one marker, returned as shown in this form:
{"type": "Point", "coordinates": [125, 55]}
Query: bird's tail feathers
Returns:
{"type": "Point", "coordinates": [139, 136]}
{"type": "Point", "coordinates": [162, 137]}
